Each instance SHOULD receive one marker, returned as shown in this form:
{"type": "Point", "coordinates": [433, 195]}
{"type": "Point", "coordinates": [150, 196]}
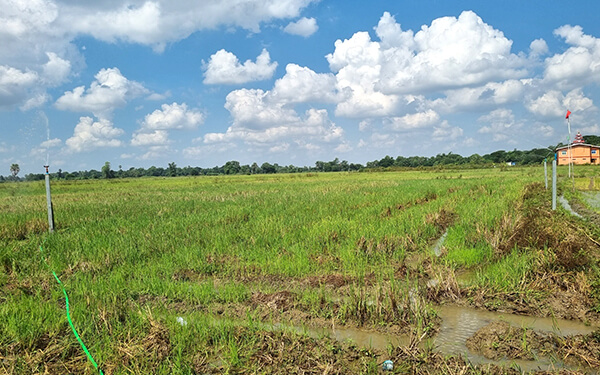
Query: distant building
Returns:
{"type": "Point", "coordinates": [582, 153]}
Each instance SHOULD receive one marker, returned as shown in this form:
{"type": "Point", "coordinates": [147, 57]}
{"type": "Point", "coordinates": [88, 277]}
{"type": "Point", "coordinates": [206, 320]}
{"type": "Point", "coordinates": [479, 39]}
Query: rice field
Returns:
{"type": "Point", "coordinates": [191, 275]}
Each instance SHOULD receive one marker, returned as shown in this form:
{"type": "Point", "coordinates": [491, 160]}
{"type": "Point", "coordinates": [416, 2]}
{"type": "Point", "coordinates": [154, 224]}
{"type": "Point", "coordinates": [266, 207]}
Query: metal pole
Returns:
{"type": "Point", "coordinates": [49, 201]}
{"type": "Point", "coordinates": [553, 184]}
{"type": "Point", "coordinates": [546, 173]}
{"type": "Point", "coordinates": [570, 149]}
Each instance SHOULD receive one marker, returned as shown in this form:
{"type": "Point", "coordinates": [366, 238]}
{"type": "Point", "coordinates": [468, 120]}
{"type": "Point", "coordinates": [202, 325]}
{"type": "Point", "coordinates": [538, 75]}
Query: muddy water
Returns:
{"type": "Point", "coordinates": [360, 337]}
{"type": "Point", "coordinates": [458, 324]}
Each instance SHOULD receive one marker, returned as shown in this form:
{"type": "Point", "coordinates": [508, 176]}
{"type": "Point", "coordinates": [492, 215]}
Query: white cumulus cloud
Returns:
{"type": "Point", "coordinates": [304, 27]}
{"type": "Point", "coordinates": [302, 85]}
{"type": "Point", "coordinates": [501, 124]}
{"type": "Point", "coordinates": [446, 132]}
{"type": "Point", "coordinates": [173, 116]}
{"type": "Point", "coordinates": [108, 92]}
{"type": "Point", "coordinates": [554, 104]}
{"type": "Point", "coordinates": [89, 135]}
{"type": "Point", "coordinates": [451, 53]}
{"type": "Point", "coordinates": [154, 130]}
{"type": "Point", "coordinates": [413, 121]}
{"type": "Point", "coordinates": [225, 68]}
{"type": "Point", "coordinates": [578, 65]}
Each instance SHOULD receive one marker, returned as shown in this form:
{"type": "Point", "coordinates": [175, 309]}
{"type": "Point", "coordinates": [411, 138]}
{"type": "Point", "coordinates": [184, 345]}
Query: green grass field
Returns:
{"type": "Point", "coordinates": [232, 256]}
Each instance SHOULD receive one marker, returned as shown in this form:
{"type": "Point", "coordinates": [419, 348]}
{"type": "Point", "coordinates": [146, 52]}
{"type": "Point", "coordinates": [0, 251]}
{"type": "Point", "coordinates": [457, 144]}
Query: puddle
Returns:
{"type": "Point", "coordinates": [458, 324]}
{"type": "Point", "coordinates": [563, 201]}
{"type": "Point", "coordinates": [359, 337]}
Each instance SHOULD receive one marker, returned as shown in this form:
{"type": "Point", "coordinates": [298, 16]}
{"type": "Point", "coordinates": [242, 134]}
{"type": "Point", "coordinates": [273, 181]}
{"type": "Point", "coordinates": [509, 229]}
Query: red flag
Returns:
{"type": "Point", "coordinates": [568, 114]}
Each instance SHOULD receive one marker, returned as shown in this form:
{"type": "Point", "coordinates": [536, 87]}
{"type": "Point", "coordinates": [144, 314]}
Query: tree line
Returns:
{"type": "Point", "coordinates": [533, 156]}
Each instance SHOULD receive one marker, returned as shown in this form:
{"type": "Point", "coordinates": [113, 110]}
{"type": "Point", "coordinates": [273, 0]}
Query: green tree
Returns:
{"type": "Point", "coordinates": [172, 169]}
{"type": "Point", "coordinates": [268, 168]}
{"type": "Point", "coordinates": [106, 171]}
{"type": "Point", "coordinates": [14, 169]}
{"type": "Point", "coordinates": [232, 167]}
{"type": "Point", "coordinates": [592, 139]}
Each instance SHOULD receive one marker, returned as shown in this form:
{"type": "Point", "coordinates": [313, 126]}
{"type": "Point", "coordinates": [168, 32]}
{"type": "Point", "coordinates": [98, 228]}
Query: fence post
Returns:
{"type": "Point", "coordinates": [49, 202]}
{"type": "Point", "coordinates": [546, 173]}
{"type": "Point", "coordinates": [553, 184]}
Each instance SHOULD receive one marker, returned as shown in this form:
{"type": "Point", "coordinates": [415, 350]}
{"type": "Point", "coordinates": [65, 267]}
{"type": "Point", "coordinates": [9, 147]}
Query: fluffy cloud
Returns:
{"type": "Point", "coordinates": [36, 35]}
{"type": "Point", "coordinates": [174, 116]}
{"type": "Point", "coordinates": [489, 95]}
{"type": "Point", "coordinates": [302, 85]}
{"type": "Point", "coordinates": [357, 64]}
{"type": "Point", "coordinates": [413, 121]}
{"type": "Point", "coordinates": [158, 22]}
{"type": "Point", "coordinates": [554, 104]}
{"type": "Point", "coordinates": [31, 44]}
{"type": "Point", "coordinates": [156, 137]}
{"type": "Point", "coordinates": [260, 120]}
{"type": "Point", "coordinates": [154, 129]}
{"type": "Point", "coordinates": [27, 87]}
{"type": "Point", "coordinates": [452, 53]}
{"type": "Point", "coordinates": [14, 85]}
{"type": "Point", "coordinates": [109, 91]}
{"type": "Point", "coordinates": [225, 68]}
{"type": "Point", "coordinates": [304, 27]}
{"type": "Point", "coordinates": [445, 132]}
{"type": "Point", "coordinates": [578, 65]}
{"type": "Point", "coordinates": [254, 107]}
{"type": "Point", "coordinates": [89, 135]}
{"type": "Point", "coordinates": [538, 47]}
{"type": "Point", "coordinates": [501, 124]}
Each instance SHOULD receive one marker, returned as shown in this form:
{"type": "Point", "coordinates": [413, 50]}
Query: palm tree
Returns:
{"type": "Point", "coordinates": [14, 169]}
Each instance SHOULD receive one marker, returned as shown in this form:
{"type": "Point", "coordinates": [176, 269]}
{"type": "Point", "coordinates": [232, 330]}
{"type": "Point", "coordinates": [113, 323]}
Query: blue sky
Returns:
{"type": "Point", "coordinates": [141, 83]}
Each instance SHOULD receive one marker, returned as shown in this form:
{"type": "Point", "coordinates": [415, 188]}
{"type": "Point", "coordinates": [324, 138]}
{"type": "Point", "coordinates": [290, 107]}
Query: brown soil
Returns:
{"type": "Point", "coordinates": [48, 355]}
{"type": "Point", "coordinates": [581, 350]}
{"type": "Point", "coordinates": [280, 301]}
{"type": "Point", "coordinates": [286, 353]}
{"type": "Point", "coordinates": [593, 216]}
{"type": "Point", "coordinates": [430, 196]}
{"type": "Point", "coordinates": [500, 340]}
{"type": "Point", "coordinates": [559, 287]}
{"type": "Point", "coordinates": [418, 361]}
{"type": "Point", "coordinates": [441, 219]}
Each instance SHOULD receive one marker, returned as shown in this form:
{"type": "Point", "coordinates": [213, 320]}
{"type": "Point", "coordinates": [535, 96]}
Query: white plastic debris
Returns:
{"type": "Point", "coordinates": [388, 365]}
{"type": "Point", "coordinates": [181, 321]}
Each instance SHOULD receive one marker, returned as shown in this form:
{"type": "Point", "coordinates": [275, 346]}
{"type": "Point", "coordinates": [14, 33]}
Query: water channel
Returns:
{"type": "Point", "coordinates": [458, 324]}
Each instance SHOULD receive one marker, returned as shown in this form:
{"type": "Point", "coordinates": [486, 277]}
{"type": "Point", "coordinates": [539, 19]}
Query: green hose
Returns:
{"type": "Point", "coordinates": [69, 315]}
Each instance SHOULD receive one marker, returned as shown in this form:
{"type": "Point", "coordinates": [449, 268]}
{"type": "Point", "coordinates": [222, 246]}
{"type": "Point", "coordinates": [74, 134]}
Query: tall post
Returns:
{"type": "Point", "coordinates": [49, 202]}
{"type": "Point", "coordinates": [554, 185]}
{"type": "Point", "coordinates": [546, 173]}
{"type": "Point", "coordinates": [570, 148]}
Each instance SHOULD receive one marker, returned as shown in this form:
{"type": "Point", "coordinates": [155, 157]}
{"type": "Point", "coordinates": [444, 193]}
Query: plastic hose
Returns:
{"type": "Point", "coordinates": [69, 315]}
